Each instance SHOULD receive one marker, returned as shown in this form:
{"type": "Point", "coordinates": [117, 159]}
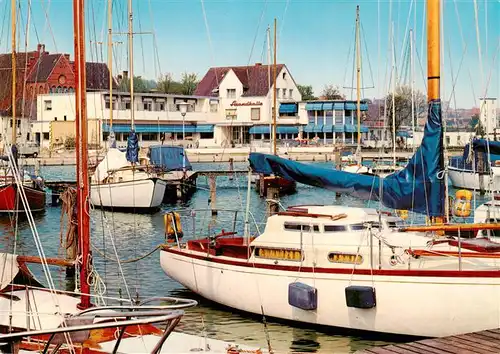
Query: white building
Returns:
{"type": "Point", "coordinates": [245, 98]}
{"type": "Point", "coordinates": [488, 114]}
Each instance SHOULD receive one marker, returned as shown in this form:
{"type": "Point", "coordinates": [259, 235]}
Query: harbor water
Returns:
{"type": "Point", "coordinates": [130, 236]}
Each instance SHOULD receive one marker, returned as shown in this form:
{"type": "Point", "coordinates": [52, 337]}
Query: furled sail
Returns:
{"type": "Point", "coordinates": [132, 147]}
{"type": "Point", "coordinates": [418, 187]}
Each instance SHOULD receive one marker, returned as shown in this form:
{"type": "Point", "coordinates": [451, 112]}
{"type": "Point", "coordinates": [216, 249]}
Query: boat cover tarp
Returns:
{"type": "Point", "coordinates": [481, 158]}
{"type": "Point", "coordinates": [418, 187]}
{"type": "Point", "coordinates": [169, 158]}
{"type": "Point", "coordinates": [113, 160]}
{"type": "Point", "coordinates": [133, 147]}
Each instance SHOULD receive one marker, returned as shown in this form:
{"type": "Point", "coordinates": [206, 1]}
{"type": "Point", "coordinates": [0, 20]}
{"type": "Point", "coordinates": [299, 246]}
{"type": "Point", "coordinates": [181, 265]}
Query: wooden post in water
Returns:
{"type": "Point", "coordinates": [212, 181]}
{"type": "Point", "coordinates": [262, 185]}
{"type": "Point", "coordinates": [272, 198]}
{"type": "Point", "coordinates": [231, 168]}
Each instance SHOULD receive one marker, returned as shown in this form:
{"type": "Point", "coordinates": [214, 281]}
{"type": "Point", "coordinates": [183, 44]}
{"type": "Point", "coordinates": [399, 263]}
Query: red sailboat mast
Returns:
{"type": "Point", "coordinates": [82, 179]}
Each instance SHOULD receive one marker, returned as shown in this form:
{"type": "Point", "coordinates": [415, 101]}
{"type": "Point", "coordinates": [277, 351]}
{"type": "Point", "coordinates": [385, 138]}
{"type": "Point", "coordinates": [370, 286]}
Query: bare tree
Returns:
{"type": "Point", "coordinates": [402, 102]}
{"type": "Point", "coordinates": [331, 92]}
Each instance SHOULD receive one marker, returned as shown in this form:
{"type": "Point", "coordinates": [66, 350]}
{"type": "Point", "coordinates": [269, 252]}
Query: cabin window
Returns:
{"type": "Point", "coordinates": [285, 254]}
{"type": "Point", "coordinates": [356, 227]}
{"type": "Point", "coordinates": [335, 228]}
{"type": "Point", "coordinates": [300, 227]}
{"type": "Point", "coordinates": [349, 258]}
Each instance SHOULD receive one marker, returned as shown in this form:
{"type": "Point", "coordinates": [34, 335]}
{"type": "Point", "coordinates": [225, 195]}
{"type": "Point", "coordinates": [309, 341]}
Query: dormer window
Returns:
{"type": "Point", "coordinates": [231, 93]}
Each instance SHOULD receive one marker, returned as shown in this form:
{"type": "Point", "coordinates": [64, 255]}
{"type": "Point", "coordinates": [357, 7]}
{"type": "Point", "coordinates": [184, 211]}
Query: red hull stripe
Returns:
{"type": "Point", "coordinates": [384, 272]}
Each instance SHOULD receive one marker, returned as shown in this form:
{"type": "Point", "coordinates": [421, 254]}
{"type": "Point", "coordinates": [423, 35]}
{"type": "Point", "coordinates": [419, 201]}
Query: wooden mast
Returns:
{"type": "Point", "coordinates": [274, 90]}
{"type": "Point", "coordinates": [131, 62]}
{"type": "Point", "coordinates": [358, 83]}
{"type": "Point", "coordinates": [14, 68]}
{"type": "Point", "coordinates": [433, 50]}
{"type": "Point", "coordinates": [82, 180]}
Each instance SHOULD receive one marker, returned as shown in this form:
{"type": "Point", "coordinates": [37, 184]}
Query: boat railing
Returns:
{"type": "Point", "coordinates": [81, 332]}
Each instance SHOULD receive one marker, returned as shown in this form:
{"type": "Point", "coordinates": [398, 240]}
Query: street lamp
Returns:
{"type": "Point", "coordinates": [183, 106]}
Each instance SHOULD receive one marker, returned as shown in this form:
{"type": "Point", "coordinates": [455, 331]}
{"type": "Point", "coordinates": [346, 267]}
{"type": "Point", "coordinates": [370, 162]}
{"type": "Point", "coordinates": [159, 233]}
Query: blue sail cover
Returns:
{"type": "Point", "coordinates": [418, 187]}
{"type": "Point", "coordinates": [132, 147]}
{"type": "Point", "coordinates": [481, 148]}
{"type": "Point", "coordinates": [169, 158]}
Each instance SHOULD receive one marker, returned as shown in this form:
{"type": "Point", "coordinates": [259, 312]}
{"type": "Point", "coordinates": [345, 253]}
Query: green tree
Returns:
{"type": "Point", "coordinates": [402, 103]}
{"type": "Point", "coordinates": [307, 92]}
{"type": "Point", "coordinates": [140, 85]}
{"type": "Point", "coordinates": [331, 92]}
{"type": "Point", "coordinates": [167, 84]}
{"type": "Point", "coordinates": [189, 81]}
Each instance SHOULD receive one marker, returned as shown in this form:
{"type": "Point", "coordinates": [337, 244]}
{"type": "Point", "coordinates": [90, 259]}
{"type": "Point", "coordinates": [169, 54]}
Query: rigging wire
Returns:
{"type": "Point", "coordinates": [209, 39]}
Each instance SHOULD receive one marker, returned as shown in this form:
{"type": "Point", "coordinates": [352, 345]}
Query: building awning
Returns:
{"type": "Point", "coordinates": [328, 106]}
{"type": "Point", "coordinates": [314, 106]}
{"type": "Point", "coordinates": [150, 128]}
{"type": "Point", "coordinates": [364, 128]}
{"type": "Point", "coordinates": [259, 129]}
{"type": "Point", "coordinates": [205, 128]}
{"type": "Point", "coordinates": [309, 128]}
{"type": "Point", "coordinates": [350, 106]}
{"type": "Point", "coordinates": [338, 106]}
{"type": "Point", "coordinates": [327, 128]}
{"type": "Point", "coordinates": [403, 134]}
{"type": "Point", "coordinates": [350, 128]}
{"type": "Point", "coordinates": [287, 129]}
{"type": "Point", "coordinates": [288, 108]}
{"type": "Point", "coordinates": [338, 128]}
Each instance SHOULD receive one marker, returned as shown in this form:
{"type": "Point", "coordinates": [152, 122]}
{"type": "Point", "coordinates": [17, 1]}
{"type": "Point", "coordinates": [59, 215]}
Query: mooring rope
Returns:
{"type": "Point", "coordinates": [127, 261]}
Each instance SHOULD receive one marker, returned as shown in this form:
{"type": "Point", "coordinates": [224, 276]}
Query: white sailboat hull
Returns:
{"type": "Point", "coordinates": [409, 305]}
{"type": "Point", "coordinates": [472, 180]}
{"type": "Point", "coordinates": [136, 194]}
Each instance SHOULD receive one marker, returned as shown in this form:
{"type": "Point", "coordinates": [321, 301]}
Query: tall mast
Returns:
{"type": "Point", "coordinates": [270, 110]}
{"type": "Point", "coordinates": [274, 90]}
{"type": "Point", "coordinates": [131, 62]}
{"type": "Point", "coordinates": [433, 50]}
{"type": "Point", "coordinates": [393, 97]}
{"type": "Point", "coordinates": [358, 80]}
{"type": "Point", "coordinates": [412, 68]}
{"type": "Point", "coordinates": [82, 178]}
{"type": "Point", "coordinates": [110, 62]}
{"type": "Point", "coordinates": [14, 68]}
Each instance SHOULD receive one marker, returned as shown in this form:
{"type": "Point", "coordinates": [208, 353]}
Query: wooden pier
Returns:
{"type": "Point", "coordinates": [484, 342]}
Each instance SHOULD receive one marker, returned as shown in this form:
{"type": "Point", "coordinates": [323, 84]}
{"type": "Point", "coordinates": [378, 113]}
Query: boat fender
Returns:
{"type": "Point", "coordinates": [302, 296]}
{"type": "Point", "coordinates": [462, 205]}
{"type": "Point", "coordinates": [361, 297]}
{"type": "Point", "coordinates": [173, 225]}
{"type": "Point", "coordinates": [403, 214]}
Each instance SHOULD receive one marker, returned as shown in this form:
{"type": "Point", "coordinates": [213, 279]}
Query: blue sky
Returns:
{"type": "Point", "coordinates": [315, 39]}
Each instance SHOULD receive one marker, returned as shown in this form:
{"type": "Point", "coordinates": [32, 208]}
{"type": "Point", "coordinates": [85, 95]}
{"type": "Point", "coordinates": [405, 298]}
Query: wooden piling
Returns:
{"type": "Point", "coordinates": [272, 200]}
{"type": "Point", "coordinates": [231, 167]}
{"type": "Point", "coordinates": [212, 182]}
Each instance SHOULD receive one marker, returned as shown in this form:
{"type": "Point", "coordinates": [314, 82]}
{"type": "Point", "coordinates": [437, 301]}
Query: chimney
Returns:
{"type": "Point", "coordinates": [258, 64]}
{"type": "Point", "coordinates": [125, 74]}
{"type": "Point", "coordinates": [40, 48]}
{"type": "Point", "coordinates": [66, 56]}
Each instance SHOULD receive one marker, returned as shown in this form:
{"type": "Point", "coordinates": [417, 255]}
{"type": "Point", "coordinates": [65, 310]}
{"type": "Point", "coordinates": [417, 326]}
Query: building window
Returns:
{"type": "Point", "coordinates": [290, 93]}
{"type": "Point", "coordinates": [214, 106]}
{"type": "Point", "coordinates": [55, 119]}
{"type": "Point", "coordinates": [107, 105]}
{"type": "Point", "coordinates": [149, 136]}
{"type": "Point", "coordinates": [127, 105]}
{"type": "Point", "coordinates": [231, 93]}
{"type": "Point", "coordinates": [231, 114]}
{"type": "Point", "coordinates": [48, 105]}
{"type": "Point", "coordinates": [46, 136]}
{"type": "Point", "coordinates": [277, 93]}
{"type": "Point", "coordinates": [448, 140]}
{"type": "Point", "coordinates": [284, 76]}
{"type": "Point", "coordinates": [284, 93]}
{"type": "Point", "coordinates": [65, 119]}
{"type": "Point", "coordinates": [207, 135]}
{"type": "Point", "coordinates": [148, 106]}
{"type": "Point", "coordinates": [338, 117]}
{"type": "Point", "coordinates": [160, 106]}
{"type": "Point", "coordinates": [255, 114]}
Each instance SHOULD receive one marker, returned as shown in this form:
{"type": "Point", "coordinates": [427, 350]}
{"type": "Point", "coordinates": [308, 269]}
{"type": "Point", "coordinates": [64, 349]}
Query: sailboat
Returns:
{"type": "Point", "coordinates": [281, 185]}
{"type": "Point", "coordinates": [478, 168]}
{"type": "Point", "coordinates": [118, 183]}
{"type": "Point", "coordinates": [36, 319]}
{"type": "Point", "coordinates": [356, 166]}
{"type": "Point", "coordinates": [12, 178]}
{"type": "Point", "coordinates": [357, 268]}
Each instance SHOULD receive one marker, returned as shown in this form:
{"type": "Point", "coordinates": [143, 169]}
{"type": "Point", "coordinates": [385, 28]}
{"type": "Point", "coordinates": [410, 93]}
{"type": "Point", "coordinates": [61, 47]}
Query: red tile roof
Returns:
{"type": "Point", "coordinates": [98, 76]}
{"type": "Point", "coordinates": [43, 68]}
{"type": "Point", "coordinates": [254, 79]}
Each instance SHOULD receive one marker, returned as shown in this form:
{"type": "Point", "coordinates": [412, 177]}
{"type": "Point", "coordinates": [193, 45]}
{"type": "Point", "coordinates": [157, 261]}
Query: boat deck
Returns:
{"type": "Point", "coordinates": [484, 342]}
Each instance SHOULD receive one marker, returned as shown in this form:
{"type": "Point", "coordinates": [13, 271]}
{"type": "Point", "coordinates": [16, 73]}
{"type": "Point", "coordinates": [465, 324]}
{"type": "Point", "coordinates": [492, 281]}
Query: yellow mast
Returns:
{"type": "Point", "coordinates": [14, 68]}
{"type": "Point", "coordinates": [433, 50]}
{"type": "Point", "coordinates": [358, 80]}
{"type": "Point", "coordinates": [274, 91]}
